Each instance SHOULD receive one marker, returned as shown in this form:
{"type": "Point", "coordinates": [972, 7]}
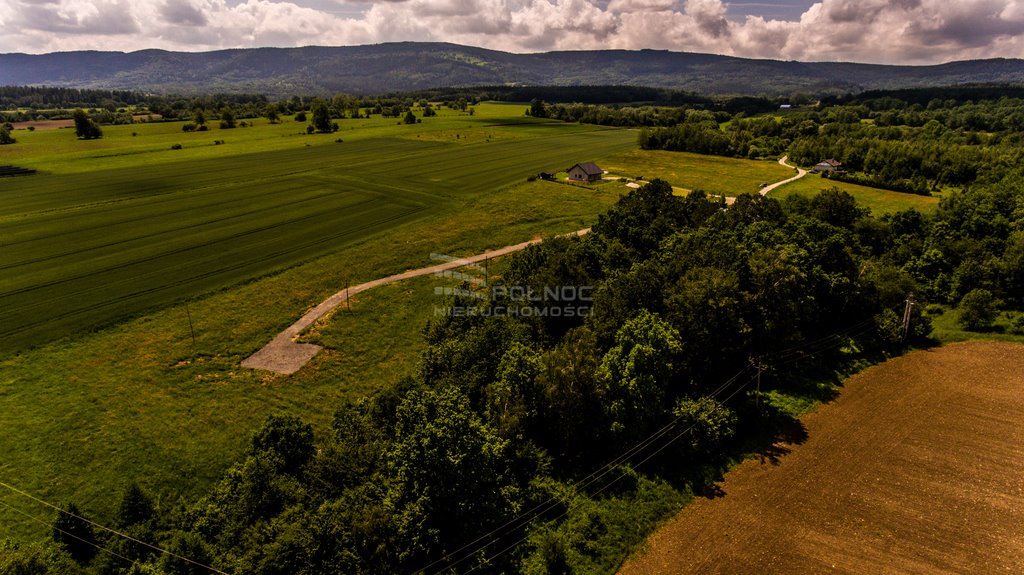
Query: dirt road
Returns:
{"type": "Point", "coordinates": [284, 355]}
{"type": "Point", "coordinates": [800, 172]}
{"type": "Point", "coordinates": [917, 468]}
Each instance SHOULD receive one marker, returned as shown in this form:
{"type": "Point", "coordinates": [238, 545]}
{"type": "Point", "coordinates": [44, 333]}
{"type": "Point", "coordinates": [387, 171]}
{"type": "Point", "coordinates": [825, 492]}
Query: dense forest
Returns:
{"type": "Point", "coordinates": [548, 434]}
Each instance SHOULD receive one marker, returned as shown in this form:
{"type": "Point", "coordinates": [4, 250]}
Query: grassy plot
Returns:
{"type": "Point", "coordinates": [713, 174]}
{"type": "Point", "coordinates": [83, 250]}
{"type": "Point", "coordinates": [58, 151]}
{"type": "Point", "coordinates": [947, 329]}
{"type": "Point", "coordinates": [138, 402]}
{"type": "Point", "coordinates": [880, 201]}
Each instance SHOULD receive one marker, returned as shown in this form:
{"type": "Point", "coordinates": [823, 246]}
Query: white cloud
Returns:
{"type": "Point", "coordinates": [886, 31]}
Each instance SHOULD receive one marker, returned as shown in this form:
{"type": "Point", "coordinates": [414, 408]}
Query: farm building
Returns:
{"type": "Point", "coordinates": [588, 172]}
{"type": "Point", "coordinates": [828, 165]}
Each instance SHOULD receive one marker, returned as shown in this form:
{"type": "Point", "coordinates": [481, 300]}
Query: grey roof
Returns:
{"type": "Point", "coordinates": [589, 168]}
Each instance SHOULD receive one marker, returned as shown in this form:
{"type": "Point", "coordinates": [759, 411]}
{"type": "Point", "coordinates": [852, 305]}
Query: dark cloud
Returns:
{"type": "Point", "coordinates": [105, 18]}
{"type": "Point", "coordinates": [182, 12]}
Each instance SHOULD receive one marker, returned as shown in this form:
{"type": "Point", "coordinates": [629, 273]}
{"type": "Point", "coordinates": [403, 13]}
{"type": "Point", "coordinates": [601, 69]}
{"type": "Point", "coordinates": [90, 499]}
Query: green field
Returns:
{"type": "Point", "coordinates": [880, 201]}
{"type": "Point", "coordinates": [947, 330]}
{"type": "Point", "coordinates": [121, 232]}
{"type": "Point", "coordinates": [137, 401]}
{"type": "Point", "coordinates": [715, 175]}
{"type": "Point", "coordinates": [84, 249]}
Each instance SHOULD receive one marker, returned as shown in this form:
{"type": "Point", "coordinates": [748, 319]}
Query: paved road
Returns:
{"type": "Point", "coordinates": [286, 356]}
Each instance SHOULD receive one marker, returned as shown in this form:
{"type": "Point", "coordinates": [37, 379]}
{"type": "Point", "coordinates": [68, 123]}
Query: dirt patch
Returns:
{"type": "Point", "coordinates": [43, 124]}
{"type": "Point", "coordinates": [918, 467]}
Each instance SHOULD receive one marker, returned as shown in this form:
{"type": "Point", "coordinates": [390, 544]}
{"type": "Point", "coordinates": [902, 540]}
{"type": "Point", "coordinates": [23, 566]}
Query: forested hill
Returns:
{"type": "Point", "coordinates": [415, 65]}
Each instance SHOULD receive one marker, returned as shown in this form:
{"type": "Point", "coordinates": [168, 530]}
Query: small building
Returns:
{"type": "Point", "coordinates": [828, 165]}
{"type": "Point", "coordinates": [587, 172]}
{"type": "Point", "coordinates": [786, 106]}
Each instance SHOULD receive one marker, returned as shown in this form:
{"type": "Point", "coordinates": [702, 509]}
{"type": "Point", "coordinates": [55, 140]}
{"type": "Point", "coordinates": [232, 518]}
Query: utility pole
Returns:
{"type": "Point", "coordinates": [906, 315]}
{"type": "Point", "coordinates": [760, 367]}
{"type": "Point", "coordinates": [348, 306]}
{"type": "Point", "coordinates": [190, 329]}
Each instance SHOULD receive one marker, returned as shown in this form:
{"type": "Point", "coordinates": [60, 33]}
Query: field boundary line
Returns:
{"type": "Point", "coordinates": [285, 356]}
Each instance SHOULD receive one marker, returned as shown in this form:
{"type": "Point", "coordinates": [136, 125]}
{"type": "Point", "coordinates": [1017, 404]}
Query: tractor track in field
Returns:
{"type": "Point", "coordinates": [285, 356]}
{"type": "Point", "coordinates": [291, 249]}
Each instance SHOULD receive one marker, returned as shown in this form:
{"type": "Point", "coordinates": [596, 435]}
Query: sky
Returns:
{"type": "Point", "coordinates": [876, 31]}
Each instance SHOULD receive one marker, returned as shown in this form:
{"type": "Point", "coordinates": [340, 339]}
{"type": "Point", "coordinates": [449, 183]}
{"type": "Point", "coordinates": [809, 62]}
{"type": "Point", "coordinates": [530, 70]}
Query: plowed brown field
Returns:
{"type": "Point", "coordinates": [917, 468]}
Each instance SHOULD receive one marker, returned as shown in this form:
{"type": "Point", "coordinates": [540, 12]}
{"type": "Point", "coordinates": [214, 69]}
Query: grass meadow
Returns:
{"type": "Point", "coordinates": [880, 201]}
{"type": "Point", "coordinates": [946, 328]}
{"type": "Point", "coordinates": [89, 248]}
{"type": "Point", "coordinates": [715, 175]}
{"type": "Point", "coordinates": [136, 400]}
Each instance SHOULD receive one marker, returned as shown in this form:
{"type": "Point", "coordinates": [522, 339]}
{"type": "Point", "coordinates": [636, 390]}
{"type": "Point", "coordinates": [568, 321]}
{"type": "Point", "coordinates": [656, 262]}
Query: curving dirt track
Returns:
{"type": "Point", "coordinates": [917, 468]}
{"type": "Point", "coordinates": [286, 356]}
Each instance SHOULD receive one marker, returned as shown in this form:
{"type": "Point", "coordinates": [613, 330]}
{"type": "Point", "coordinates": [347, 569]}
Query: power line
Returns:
{"type": "Point", "coordinates": [609, 467]}
{"type": "Point", "coordinates": [606, 486]}
{"type": "Point", "coordinates": [55, 528]}
{"type": "Point", "coordinates": [791, 355]}
{"type": "Point", "coordinates": [109, 530]}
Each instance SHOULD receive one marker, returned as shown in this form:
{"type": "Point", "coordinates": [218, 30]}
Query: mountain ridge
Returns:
{"type": "Point", "coordinates": [400, 66]}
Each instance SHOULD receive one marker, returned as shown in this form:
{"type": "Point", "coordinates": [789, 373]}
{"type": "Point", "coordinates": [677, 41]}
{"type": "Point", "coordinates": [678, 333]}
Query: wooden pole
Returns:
{"type": "Point", "coordinates": [190, 328]}
{"type": "Point", "coordinates": [907, 316]}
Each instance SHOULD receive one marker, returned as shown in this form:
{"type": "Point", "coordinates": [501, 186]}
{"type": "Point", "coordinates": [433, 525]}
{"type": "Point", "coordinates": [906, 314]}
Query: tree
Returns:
{"type": "Point", "coordinates": [272, 115]}
{"type": "Point", "coordinates": [978, 310]}
{"type": "Point", "coordinates": [227, 119]}
{"type": "Point", "coordinates": [198, 117]}
{"type": "Point", "coordinates": [41, 558]}
{"type": "Point", "coordinates": [85, 127]}
{"type": "Point", "coordinates": [447, 476]}
{"type": "Point", "coordinates": [410, 118]}
{"type": "Point", "coordinates": [637, 373]}
{"type": "Point", "coordinates": [75, 534]}
{"type": "Point", "coordinates": [5, 136]}
{"type": "Point", "coordinates": [187, 545]}
{"type": "Point", "coordinates": [288, 437]}
{"type": "Point", "coordinates": [710, 424]}
{"type": "Point", "coordinates": [136, 507]}
{"type": "Point", "coordinates": [300, 117]}
{"type": "Point", "coordinates": [322, 117]}
{"type": "Point", "coordinates": [836, 207]}
{"type": "Point", "coordinates": [538, 109]}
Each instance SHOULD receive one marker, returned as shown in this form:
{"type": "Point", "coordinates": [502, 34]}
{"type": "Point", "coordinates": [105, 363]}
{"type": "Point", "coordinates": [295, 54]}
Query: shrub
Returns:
{"type": "Point", "coordinates": [202, 128]}
{"type": "Point", "coordinates": [978, 310]}
{"type": "Point", "coordinates": [188, 127]}
{"type": "Point", "coordinates": [300, 117]}
{"type": "Point", "coordinates": [1017, 325]}
{"type": "Point", "coordinates": [176, 147]}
